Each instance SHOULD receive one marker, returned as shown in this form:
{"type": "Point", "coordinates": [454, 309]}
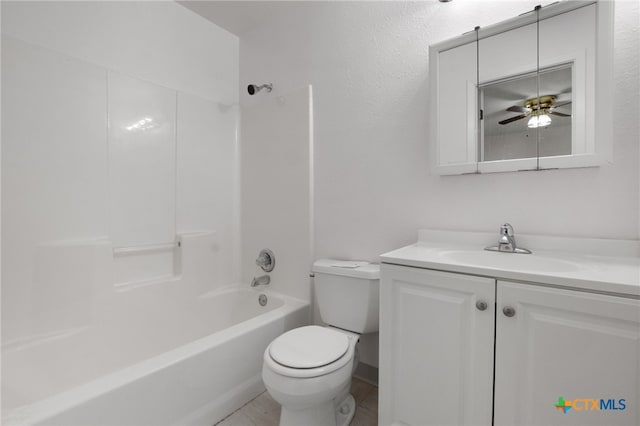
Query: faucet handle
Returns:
{"type": "Point", "coordinates": [266, 260]}
{"type": "Point", "coordinates": [507, 230]}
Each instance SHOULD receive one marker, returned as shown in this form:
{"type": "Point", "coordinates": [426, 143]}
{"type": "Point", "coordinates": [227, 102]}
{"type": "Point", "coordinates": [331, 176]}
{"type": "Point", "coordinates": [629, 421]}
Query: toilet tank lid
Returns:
{"type": "Point", "coordinates": [347, 268]}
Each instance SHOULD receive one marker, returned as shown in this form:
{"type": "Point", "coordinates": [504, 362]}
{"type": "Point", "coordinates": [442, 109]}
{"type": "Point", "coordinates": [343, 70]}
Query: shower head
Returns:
{"type": "Point", "coordinates": [253, 89]}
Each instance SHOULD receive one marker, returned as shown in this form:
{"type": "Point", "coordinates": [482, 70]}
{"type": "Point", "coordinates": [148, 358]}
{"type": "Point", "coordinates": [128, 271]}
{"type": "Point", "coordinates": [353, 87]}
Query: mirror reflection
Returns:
{"type": "Point", "coordinates": [516, 123]}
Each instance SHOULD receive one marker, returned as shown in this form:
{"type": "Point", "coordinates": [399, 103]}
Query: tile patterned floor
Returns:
{"type": "Point", "coordinates": [264, 411]}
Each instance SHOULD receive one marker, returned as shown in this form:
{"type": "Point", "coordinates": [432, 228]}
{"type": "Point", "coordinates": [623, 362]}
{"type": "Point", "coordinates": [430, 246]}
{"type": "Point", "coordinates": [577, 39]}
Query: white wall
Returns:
{"type": "Point", "coordinates": [76, 181]}
{"type": "Point", "coordinates": [368, 64]}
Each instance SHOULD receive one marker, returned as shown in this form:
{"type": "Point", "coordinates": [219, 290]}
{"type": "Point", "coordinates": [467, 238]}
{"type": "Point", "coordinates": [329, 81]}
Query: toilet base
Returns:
{"type": "Point", "coordinates": [346, 411]}
{"type": "Point", "coordinates": [326, 414]}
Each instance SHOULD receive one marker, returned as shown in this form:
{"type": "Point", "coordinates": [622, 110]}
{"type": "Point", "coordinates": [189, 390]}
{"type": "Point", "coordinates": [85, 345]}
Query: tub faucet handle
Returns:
{"type": "Point", "coordinates": [266, 260]}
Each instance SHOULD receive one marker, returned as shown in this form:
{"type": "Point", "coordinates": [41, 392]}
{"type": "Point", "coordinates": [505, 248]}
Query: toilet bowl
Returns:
{"type": "Point", "coordinates": [308, 370]}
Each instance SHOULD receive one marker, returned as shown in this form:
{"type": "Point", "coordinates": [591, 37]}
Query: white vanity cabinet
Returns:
{"type": "Point", "coordinates": [436, 347]}
{"type": "Point", "coordinates": [569, 344]}
{"type": "Point", "coordinates": [437, 352]}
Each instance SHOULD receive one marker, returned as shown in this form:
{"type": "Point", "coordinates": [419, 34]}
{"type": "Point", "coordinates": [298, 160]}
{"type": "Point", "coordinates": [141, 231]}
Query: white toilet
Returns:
{"type": "Point", "coordinates": [308, 370]}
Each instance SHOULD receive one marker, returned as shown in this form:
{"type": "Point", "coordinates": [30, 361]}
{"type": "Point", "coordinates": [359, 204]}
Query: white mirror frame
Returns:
{"type": "Point", "coordinates": [602, 128]}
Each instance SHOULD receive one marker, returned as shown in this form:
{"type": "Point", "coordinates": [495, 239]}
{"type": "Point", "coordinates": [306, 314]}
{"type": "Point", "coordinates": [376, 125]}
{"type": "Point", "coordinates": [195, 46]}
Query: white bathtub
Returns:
{"type": "Point", "coordinates": [192, 367]}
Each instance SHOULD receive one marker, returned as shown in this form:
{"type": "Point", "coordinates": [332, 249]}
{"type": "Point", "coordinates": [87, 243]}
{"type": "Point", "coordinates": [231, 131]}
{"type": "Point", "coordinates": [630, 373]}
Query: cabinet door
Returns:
{"type": "Point", "coordinates": [573, 345]}
{"type": "Point", "coordinates": [436, 347]}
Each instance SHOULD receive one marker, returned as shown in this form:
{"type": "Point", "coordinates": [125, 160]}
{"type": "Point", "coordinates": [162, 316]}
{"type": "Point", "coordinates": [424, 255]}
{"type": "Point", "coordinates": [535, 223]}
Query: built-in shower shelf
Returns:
{"type": "Point", "coordinates": [147, 264]}
{"type": "Point", "coordinates": [123, 286]}
{"type": "Point", "coordinates": [145, 248]}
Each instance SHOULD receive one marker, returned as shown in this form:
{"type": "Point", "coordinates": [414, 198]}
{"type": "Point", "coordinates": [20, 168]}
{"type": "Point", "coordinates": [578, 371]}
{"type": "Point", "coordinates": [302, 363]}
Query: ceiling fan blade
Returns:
{"type": "Point", "coordinates": [562, 104]}
{"type": "Point", "coordinates": [512, 119]}
{"type": "Point", "coordinates": [519, 109]}
{"type": "Point", "coordinates": [560, 114]}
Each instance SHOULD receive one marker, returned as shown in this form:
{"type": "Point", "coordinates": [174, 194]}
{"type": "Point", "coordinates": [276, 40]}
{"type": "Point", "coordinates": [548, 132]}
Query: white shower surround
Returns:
{"type": "Point", "coordinates": [57, 171]}
{"type": "Point", "coordinates": [62, 291]}
{"type": "Point", "coordinates": [199, 368]}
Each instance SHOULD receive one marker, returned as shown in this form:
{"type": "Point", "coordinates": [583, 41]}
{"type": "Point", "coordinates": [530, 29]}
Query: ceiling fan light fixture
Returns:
{"type": "Point", "coordinates": [544, 120]}
{"type": "Point", "coordinates": [539, 120]}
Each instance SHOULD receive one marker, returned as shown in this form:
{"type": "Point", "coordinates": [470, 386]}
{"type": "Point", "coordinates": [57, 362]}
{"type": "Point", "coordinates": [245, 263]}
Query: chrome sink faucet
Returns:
{"type": "Point", "coordinates": [262, 280]}
{"type": "Point", "coordinates": [507, 242]}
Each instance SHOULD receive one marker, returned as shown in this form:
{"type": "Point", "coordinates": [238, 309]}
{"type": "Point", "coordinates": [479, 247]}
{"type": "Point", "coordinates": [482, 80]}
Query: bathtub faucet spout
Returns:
{"type": "Point", "coordinates": [262, 280]}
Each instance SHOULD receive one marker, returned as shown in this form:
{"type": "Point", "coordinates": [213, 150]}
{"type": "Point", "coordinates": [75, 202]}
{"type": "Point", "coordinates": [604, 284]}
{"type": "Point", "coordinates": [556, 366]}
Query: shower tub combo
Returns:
{"type": "Point", "coordinates": [188, 367]}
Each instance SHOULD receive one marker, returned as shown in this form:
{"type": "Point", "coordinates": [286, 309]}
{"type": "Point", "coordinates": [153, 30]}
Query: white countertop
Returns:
{"type": "Point", "coordinates": [608, 266]}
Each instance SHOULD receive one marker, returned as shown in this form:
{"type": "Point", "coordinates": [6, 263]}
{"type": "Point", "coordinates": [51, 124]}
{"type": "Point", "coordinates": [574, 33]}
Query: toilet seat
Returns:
{"type": "Point", "coordinates": [308, 347]}
{"type": "Point", "coordinates": [310, 351]}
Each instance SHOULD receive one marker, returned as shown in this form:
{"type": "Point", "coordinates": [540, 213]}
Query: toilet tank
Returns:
{"type": "Point", "coordinates": [348, 294]}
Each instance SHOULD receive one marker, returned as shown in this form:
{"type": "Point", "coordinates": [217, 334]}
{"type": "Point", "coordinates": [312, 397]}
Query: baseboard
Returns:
{"type": "Point", "coordinates": [367, 373]}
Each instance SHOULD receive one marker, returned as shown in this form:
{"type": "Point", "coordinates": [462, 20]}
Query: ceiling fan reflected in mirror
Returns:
{"type": "Point", "coordinates": [539, 109]}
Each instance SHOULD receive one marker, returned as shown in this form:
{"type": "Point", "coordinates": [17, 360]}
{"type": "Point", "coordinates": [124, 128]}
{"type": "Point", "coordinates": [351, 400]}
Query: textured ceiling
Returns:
{"type": "Point", "coordinates": [238, 17]}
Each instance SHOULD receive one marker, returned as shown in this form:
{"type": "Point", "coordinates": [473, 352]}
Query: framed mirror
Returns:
{"type": "Point", "coordinates": [530, 93]}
